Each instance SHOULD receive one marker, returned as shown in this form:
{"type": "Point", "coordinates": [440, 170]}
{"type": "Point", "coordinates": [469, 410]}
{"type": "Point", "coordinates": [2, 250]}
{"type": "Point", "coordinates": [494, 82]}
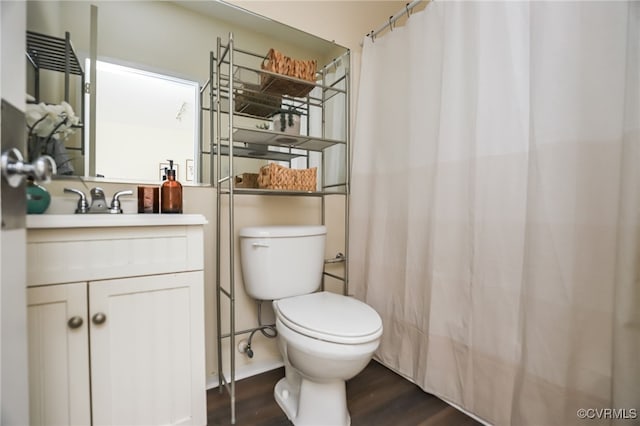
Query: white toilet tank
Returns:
{"type": "Point", "coordinates": [281, 261]}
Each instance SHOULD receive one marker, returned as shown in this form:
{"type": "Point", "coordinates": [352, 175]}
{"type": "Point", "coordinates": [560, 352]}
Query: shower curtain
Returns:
{"type": "Point", "coordinates": [495, 207]}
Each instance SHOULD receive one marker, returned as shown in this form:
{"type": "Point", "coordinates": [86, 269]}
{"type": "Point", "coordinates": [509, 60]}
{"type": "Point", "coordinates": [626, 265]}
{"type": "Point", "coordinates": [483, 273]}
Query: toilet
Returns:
{"type": "Point", "coordinates": [323, 337]}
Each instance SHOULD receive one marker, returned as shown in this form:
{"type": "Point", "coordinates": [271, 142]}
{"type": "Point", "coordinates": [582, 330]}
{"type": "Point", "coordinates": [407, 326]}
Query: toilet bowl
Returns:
{"type": "Point", "coordinates": [324, 338]}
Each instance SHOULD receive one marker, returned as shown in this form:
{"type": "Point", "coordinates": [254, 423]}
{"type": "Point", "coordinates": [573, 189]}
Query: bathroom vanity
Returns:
{"type": "Point", "coordinates": [116, 319]}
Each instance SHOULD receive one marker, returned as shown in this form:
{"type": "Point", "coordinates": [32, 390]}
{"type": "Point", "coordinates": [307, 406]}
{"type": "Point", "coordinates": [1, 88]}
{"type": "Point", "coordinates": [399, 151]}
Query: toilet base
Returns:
{"type": "Point", "coordinates": [313, 403]}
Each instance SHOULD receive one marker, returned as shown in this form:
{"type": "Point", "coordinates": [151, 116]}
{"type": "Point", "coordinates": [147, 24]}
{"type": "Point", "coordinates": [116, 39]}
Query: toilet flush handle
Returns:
{"type": "Point", "coordinates": [260, 245]}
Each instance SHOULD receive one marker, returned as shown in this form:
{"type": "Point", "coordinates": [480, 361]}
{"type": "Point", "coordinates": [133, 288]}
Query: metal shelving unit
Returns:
{"type": "Point", "coordinates": [46, 52]}
{"type": "Point", "coordinates": [232, 76]}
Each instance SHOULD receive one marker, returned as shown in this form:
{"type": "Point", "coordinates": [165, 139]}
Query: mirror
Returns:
{"type": "Point", "coordinates": [171, 39]}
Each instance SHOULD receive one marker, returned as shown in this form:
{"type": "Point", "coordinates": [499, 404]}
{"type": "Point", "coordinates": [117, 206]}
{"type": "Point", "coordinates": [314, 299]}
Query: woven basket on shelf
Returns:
{"type": "Point", "coordinates": [274, 176]}
{"type": "Point", "coordinates": [278, 63]}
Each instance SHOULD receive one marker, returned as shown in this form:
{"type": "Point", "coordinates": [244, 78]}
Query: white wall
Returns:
{"type": "Point", "coordinates": [345, 22]}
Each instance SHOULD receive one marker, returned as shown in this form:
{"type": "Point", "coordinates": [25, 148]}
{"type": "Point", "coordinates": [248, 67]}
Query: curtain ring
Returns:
{"type": "Point", "coordinates": [406, 6]}
{"type": "Point", "coordinates": [390, 23]}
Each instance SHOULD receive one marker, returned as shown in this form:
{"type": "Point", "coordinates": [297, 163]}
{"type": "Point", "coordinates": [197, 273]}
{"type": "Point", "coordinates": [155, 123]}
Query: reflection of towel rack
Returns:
{"type": "Point", "coordinates": [51, 53]}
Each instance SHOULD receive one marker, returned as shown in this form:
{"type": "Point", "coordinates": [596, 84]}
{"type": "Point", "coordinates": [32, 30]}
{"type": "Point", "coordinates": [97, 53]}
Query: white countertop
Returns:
{"type": "Point", "coordinates": [44, 221]}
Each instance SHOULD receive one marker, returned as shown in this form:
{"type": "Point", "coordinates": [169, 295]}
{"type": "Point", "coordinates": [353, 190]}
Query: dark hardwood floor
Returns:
{"type": "Point", "coordinates": [377, 396]}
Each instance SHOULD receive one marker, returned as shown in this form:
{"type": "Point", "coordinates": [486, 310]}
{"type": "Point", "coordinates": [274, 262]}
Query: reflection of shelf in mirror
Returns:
{"type": "Point", "coordinates": [266, 137]}
{"type": "Point", "coordinates": [330, 89]}
{"type": "Point", "coordinates": [272, 77]}
{"type": "Point", "coordinates": [335, 89]}
{"type": "Point", "coordinates": [245, 152]}
{"type": "Point", "coordinates": [283, 85]}
{"type": "Point", "coordinates": [249, 100]}
{"type": "Point", "coordinates": [305, 103]}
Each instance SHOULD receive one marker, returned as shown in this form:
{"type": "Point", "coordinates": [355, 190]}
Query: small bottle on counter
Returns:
{"type": "Point", "coordinates": [171, 192]}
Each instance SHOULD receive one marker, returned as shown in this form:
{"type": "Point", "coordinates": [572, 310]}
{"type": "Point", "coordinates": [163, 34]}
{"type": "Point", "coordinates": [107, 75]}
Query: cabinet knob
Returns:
{"type": "Point", "coordinates": [99, 318]}
{"type": "Point", "coordinates": [75, 322]}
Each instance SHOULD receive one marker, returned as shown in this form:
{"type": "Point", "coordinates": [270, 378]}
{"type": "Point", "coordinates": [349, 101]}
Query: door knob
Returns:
{"type": "Point", "coordinates": [99, 318]}
{"type": "Point", "coordinates": [75, 322]}
{"type": "Point", "coordinates": [14, 169]}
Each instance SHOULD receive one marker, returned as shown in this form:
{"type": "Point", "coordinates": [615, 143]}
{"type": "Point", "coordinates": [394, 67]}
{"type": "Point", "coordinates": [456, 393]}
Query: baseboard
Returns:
{"type": "Point", "coordinates": [246, 371]}
{"type": "Point", "coordinates": [459, 408]}
{"type": "Point", "coordinates": [456, 406]}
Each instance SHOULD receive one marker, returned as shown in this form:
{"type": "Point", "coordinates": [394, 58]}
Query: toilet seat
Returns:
{"type": "Point", "coordinates": [330, 317]}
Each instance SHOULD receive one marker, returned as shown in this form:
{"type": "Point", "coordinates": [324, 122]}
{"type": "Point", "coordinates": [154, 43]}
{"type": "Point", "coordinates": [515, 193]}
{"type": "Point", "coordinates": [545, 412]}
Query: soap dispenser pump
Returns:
{"type": "Point", "coordinates": [171, 192]}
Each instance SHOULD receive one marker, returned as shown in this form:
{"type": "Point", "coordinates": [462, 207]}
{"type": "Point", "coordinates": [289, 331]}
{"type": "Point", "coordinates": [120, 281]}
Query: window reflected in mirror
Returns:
{"type": "Point", "coordinates": [144, 120]}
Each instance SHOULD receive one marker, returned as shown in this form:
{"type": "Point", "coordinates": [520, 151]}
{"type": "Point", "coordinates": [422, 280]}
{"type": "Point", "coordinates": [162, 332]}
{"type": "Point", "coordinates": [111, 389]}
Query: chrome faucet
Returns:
{"type": "Point", "coordinates": [98, 201]}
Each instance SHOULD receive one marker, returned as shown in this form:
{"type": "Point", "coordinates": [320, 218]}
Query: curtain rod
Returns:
{"type": "Point", "coordinates": [392, 19]}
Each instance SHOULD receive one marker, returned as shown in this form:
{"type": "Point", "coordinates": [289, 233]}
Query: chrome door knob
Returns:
{"type": "Point", "coordinates": [75, 322]}
{"type": "Point", "coordinates": [14, 169]}
{"type": "Point", "coordinates": [99, 318]}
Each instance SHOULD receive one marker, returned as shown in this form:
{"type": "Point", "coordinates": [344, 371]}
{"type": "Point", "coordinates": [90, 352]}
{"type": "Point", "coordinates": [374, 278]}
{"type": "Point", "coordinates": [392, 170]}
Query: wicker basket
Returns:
{"type": "Point", "coordinates": [278, 63]}
{"type": "Point", "coordinates": [246, 180]}
{"type": "Point", "coordinates": [274, 176]}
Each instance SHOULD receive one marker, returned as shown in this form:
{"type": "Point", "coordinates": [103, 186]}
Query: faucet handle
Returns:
{"type": "Point", "coordinates": [115, 203]}
{"type": "Point", "coordinates": [83, 205]}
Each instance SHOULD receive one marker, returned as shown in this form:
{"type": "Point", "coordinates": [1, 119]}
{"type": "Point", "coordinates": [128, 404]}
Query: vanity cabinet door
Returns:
{"type": "Point", "coordinates": [147, 350]}
{"type": "Point", "coordinates": [58, 355]}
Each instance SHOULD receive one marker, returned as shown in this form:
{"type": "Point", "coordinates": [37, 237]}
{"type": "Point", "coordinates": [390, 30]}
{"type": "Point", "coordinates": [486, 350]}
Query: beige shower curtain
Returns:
{"type": "Point", "coordinates": [495, 209]}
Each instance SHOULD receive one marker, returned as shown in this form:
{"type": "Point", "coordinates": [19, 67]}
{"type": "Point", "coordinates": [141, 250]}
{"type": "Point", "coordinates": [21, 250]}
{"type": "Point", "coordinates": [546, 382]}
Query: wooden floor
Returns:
{"type": "Point", "coordinates": [377, 396]}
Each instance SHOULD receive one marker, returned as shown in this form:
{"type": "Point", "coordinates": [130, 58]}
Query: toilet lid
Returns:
{"type": "Point", "coordinates": [331, 317]}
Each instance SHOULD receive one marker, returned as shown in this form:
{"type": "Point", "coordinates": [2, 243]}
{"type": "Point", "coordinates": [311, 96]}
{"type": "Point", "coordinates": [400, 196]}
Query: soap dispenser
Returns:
{"type": "Point", "coordinates": [171, 192]}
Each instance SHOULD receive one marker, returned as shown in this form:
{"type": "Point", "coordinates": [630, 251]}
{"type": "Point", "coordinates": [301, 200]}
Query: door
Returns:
{"type": "Point", "coordinates": [13, 307]}
{"type": "Point", "coordinates": [147, 350]}
{"type": "Point", "coordinates": [58, 355]}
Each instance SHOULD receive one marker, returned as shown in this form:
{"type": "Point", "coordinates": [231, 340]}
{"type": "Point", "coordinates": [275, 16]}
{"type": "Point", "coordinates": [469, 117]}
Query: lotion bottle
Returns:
{"type": "Point", "coordinates": [171, 192]}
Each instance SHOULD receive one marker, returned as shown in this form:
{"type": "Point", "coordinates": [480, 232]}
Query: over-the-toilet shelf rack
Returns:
{"type": "Point", "coordinates": [226, 86]}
